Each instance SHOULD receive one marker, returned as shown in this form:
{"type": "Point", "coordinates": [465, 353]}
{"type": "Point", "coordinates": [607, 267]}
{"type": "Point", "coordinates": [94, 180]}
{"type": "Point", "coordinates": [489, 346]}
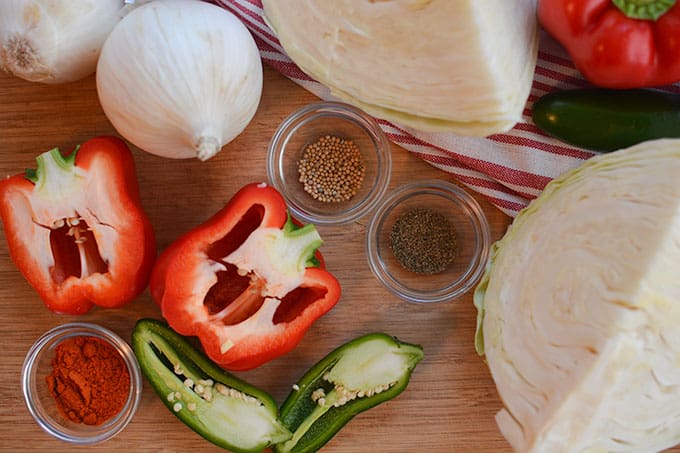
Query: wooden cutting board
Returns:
{"type": "Point", "coordinates": [451, 401]}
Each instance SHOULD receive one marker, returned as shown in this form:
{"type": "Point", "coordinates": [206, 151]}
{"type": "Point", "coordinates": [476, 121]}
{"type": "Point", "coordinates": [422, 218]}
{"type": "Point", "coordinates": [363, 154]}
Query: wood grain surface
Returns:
{"type": "Point", "coordinates": [451, 401]}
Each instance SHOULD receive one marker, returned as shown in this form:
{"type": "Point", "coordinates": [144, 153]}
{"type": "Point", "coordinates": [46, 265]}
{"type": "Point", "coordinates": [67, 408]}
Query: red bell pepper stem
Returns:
{"type": "Point", "coordinates": [618, 44]}
{"type": "Point", "coordinates": [644, 9]}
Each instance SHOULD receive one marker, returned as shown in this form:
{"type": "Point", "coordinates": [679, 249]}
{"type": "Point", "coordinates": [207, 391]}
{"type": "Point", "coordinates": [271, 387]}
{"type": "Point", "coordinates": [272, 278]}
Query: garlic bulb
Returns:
{"type": "Point", "coordinates": [54, 41]}
{"type": "Point", "coordinates": [180, 78]}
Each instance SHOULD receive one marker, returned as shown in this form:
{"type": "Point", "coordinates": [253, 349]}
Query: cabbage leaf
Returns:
{"type": "Point", "coordinates": [579, 309]}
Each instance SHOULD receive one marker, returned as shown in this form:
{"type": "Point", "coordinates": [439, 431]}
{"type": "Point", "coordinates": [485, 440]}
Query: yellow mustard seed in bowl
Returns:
{"type": "Point", "coordinates": [331, 169]}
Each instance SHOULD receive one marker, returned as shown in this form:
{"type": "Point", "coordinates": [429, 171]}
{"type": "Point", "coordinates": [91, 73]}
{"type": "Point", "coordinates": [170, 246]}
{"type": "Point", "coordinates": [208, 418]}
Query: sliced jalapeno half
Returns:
{"type": "Point", "coordinates": [353, 378]}
{"type": "Point", "coordinates": [218, 406]}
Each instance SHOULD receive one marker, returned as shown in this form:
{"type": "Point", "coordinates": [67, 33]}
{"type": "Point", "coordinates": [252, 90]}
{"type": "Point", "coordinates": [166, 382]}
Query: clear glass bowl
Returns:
{"type": "Point", "coordinates": [472, 242]}
{"type": "Point", "coordinates": [307, 125]}
{"type": "Point", "coordinates": [37, 366]}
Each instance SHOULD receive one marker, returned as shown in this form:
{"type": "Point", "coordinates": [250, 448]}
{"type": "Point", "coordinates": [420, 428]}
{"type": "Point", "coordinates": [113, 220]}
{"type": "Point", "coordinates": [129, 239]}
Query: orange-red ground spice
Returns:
{"type": "Point", "coordinates": [89, 381]}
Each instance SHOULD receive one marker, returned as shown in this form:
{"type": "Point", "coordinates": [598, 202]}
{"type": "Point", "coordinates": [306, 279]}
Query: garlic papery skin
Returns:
{"type": "Point", "coordinates": [180, 78]}
{"type": "Point", "coordinates": [55, 41]}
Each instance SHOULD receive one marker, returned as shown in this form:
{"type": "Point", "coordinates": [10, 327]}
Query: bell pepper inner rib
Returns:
{"type": "Point", "coordinates": [230, 298]}
{"type": "Point", "coordinates": [74, 250]}
{"type": "Point", "coordinates": [236, 297]}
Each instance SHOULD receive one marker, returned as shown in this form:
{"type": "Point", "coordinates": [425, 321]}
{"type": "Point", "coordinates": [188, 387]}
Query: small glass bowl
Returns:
{"type": "Point", "coordinates": [472, 242]}
{"type": "Point", "coordinates": [307, 125]}
{"type": "Point", "coordinates": [42, 406]}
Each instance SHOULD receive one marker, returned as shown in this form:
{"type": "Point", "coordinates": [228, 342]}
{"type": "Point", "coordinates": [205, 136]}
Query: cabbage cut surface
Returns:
{"type": "Point", "coordinates": [580, 309]}
{"type": "Point", "coordinates": [437, 65]}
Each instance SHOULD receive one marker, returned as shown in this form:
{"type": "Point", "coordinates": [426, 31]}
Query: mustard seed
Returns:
{"type": "Point", "coordinates": [331, 169]}
{"type": "Point", "coordinates": [423, 241]}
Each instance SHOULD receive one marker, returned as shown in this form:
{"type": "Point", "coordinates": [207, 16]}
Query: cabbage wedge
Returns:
{"type": "Point", "coordinates": [464, 66]}
{"type": "Point", "coordinates": [579, 310]}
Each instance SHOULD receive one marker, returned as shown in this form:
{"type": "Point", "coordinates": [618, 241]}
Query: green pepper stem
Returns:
{"type": "Point", "coordinates": [304, 241]}
{"type": "Point", "coordinates": [54, 173]}
{"type": "Point", "coordinates": [644, 9]}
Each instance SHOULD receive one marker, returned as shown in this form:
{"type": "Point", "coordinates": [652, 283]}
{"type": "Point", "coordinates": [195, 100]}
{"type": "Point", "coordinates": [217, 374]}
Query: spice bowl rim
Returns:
{"type": "Point", "coordinates": [81, 434]}
{"type": "Point", "coordinates": [482, 238]}
{"type": "Point", "coordinates": [300, 118]}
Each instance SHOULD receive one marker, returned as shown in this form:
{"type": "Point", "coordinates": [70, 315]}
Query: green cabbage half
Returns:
{"type": "Point", "coordinates": [579, 309]}
{"type": "Point", "coordinates": [464, 66]}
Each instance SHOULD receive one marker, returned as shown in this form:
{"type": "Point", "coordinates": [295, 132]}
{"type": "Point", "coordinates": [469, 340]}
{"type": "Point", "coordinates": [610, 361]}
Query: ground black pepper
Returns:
{"type": "Point", "coordinates": [423, 241]}
{"type": "Point", "coordinates": [331, 169]}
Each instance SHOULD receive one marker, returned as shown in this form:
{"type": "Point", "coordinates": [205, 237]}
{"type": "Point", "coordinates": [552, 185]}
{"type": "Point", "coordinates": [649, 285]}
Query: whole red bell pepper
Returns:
{"type": "Point", "coordinates": [618, 43]}
{"type": "Point", "coordinates": [248, 282]}
{"type": "Point", "coordinates": [75, 227]}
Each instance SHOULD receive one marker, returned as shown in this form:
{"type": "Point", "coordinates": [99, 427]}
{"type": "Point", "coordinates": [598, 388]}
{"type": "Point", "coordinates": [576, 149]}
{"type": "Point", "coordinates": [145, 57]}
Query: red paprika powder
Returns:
{"type": "Point", "coordinates": [90, 381]}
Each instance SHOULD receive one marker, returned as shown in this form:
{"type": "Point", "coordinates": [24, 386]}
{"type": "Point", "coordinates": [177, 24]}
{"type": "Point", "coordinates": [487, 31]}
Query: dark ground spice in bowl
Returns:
{"type": "Point", "coordinates": [423, 241]}
{"type": "Point", "coordinates": [428, 241]}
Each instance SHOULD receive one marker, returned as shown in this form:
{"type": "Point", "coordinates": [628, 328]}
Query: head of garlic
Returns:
{"type": "Point", "coordinates": [53, 41]}
{"type": "Point", "coordinates": [180, 78]}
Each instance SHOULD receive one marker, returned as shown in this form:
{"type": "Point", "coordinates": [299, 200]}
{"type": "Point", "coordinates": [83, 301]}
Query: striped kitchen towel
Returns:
{"type": "Point", "coordinates": [508, 169]}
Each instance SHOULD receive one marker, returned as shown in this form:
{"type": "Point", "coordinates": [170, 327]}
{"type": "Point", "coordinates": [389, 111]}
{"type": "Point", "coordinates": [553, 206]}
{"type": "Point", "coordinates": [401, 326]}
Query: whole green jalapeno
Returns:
{"type": "Point", "coordinates": [607, 120]}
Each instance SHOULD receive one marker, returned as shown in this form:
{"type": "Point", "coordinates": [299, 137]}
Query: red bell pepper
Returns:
{"type": "Point", "coordinates": [618, 43]}
{"type": "Point", "coordinates": [75, 227]}
{"type": "Point", "coordinates": [247, 282]}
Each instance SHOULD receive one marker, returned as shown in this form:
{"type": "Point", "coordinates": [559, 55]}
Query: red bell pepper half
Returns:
{"type": "Point", "coordinates": [75, 228]}
{"type": "Point", "coordinates": [618, 43]}
{"type": "Point", "coordinates": [247, 282]}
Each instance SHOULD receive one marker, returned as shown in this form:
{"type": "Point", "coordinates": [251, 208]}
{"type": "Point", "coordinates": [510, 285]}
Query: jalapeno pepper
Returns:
{"type": "Point", "coordinates": [606, 120]}
{"type": "Point", "coordinates": [353, 378]}
{"type": "Point", "coordinates": [221, 408]}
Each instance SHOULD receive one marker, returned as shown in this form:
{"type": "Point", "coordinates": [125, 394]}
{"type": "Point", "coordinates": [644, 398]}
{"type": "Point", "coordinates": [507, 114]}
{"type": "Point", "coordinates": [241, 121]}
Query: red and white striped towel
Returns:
{"type": "Point", "coordinates": [508, 169]}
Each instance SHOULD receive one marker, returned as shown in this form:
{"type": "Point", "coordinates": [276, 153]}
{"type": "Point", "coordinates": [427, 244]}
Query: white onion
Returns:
{"type": "Point", "coordinates": [55, 41]}
{"type": "Point", "coordinates": [180, 78]}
